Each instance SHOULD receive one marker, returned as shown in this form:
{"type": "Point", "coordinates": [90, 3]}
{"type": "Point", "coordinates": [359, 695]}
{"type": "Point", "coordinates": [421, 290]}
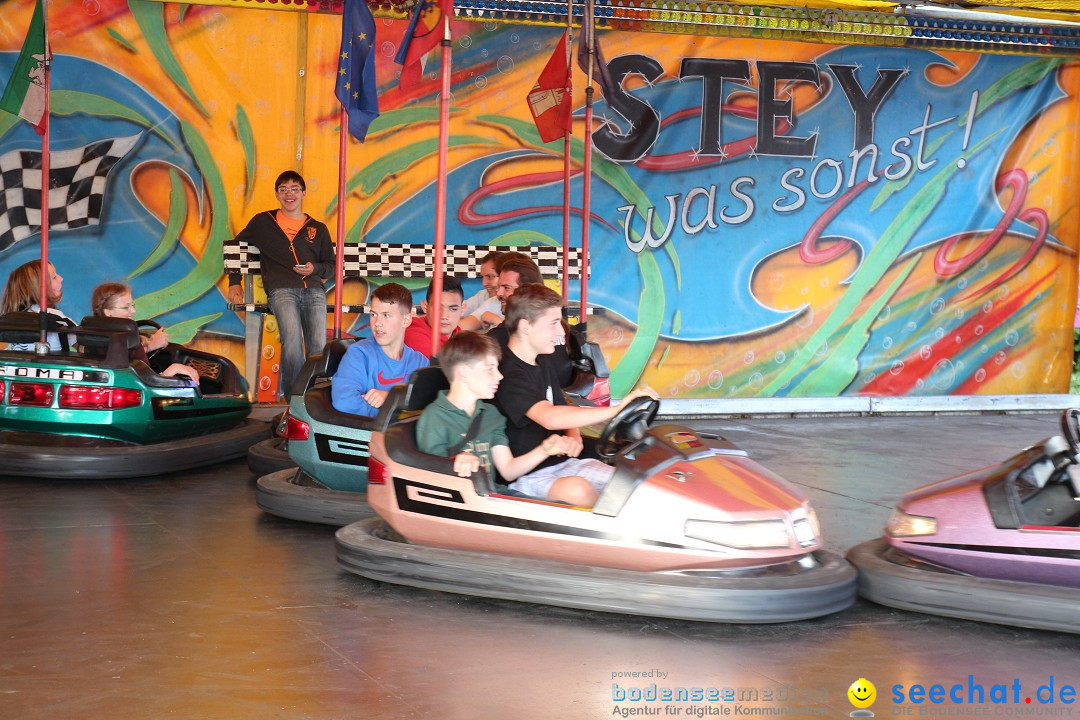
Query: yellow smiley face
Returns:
{"type": "Point", "coordinates": [862, 693]}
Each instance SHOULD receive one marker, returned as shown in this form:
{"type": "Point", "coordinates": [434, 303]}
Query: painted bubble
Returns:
{"type": "Point", "coordinates": [943, 374]}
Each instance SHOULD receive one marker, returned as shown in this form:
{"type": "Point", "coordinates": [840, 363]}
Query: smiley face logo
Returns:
{"type": "Point", "coordinates": [862, 693]}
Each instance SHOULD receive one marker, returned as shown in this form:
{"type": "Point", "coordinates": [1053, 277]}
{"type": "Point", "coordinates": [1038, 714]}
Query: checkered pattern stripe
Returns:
{"type": "Point", "coordinates": [383, 260]}
{"type": "Point", "coordinates": [77, 179]}
{"type": "Point", "coordinates": [349, 309]}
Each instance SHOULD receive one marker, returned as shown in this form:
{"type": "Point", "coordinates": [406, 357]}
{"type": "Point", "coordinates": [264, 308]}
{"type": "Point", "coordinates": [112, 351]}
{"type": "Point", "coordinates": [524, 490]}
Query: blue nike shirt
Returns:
{"type": "Point", "coordinates": [365, 367]}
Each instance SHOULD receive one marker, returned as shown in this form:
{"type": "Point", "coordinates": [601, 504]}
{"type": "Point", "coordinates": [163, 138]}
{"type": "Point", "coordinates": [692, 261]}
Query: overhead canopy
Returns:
{"type": "Point", "coordinates": [1034, 27]}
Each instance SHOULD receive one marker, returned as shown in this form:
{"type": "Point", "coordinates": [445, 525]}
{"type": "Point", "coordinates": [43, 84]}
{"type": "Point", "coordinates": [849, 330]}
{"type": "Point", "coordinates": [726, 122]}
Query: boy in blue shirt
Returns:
{"type": "Point", "coordinates": [372, 366]}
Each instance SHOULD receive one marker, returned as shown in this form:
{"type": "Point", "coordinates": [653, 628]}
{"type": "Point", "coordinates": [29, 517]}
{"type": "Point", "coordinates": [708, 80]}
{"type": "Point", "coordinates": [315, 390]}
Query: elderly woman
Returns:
{"type": "Point", "coordinates": [113, 300]}
{"type": "Point", "coordinates": [21, 295]}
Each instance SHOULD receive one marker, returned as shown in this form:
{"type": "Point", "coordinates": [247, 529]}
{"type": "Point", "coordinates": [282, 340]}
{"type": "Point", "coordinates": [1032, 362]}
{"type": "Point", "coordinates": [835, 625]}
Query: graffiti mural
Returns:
{"type": "Point", "coordinates": [767, 219]}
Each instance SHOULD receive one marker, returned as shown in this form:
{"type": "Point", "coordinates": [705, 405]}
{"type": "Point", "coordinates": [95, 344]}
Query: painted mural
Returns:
{"type": "Point", "coordinates": [767, 219]}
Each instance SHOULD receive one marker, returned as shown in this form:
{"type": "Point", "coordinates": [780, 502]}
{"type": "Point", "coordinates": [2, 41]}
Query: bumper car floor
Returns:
{"type": "Point", "coordinates": [176, 596]}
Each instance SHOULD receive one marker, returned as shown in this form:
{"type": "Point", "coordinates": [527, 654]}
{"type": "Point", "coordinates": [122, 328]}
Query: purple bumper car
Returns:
{"type": "Point", "coordinates": [1000, 545]}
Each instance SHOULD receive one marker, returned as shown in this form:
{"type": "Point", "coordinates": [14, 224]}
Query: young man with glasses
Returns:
{"type": "Point", "coordinates": [490, 312]}
{"type": "Point", "coordinates": [295, 254]}
{"type": "Point", "coordinates": [474, 307]}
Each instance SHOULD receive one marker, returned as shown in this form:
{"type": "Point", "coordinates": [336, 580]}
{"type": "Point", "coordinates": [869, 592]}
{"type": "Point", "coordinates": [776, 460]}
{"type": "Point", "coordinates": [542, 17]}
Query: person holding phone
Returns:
{"type": "Point", "coordinates": [296, 254]}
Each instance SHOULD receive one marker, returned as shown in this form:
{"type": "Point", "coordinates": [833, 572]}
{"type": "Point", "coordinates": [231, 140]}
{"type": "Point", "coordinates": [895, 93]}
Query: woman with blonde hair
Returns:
{"type": "Point", "coordinates": [21, 294]}
{"type": "Point", "coordinates": [113, 300]}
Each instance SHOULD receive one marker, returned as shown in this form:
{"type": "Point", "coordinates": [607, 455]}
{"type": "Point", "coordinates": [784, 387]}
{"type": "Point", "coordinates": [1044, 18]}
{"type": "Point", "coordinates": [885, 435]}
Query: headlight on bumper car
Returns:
{"type": "Point", "coordinates": [750, 535]}
{"type": "Point", "coordinates": [903, 525]}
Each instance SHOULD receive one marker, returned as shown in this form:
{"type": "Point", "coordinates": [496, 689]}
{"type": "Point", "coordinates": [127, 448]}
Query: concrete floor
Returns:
{"type": "Point", "coordinates": [176, 597]}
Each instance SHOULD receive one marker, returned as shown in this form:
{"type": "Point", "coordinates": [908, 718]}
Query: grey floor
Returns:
{"type": "Point", "coordinates": [176, 597]}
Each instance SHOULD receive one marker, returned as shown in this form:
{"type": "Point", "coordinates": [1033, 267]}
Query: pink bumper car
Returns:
{"type": "Point", "coordinates": [689, 527]}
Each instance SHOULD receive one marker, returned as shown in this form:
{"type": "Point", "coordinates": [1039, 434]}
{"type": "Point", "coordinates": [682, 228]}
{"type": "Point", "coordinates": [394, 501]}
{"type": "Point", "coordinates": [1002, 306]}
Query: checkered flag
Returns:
{"type": "Point", "coordinates": [77, 178]}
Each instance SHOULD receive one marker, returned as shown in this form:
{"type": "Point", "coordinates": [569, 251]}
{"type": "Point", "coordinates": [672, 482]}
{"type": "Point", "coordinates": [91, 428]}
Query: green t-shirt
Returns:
{"type": "Point", "coordinates": [442, 425]}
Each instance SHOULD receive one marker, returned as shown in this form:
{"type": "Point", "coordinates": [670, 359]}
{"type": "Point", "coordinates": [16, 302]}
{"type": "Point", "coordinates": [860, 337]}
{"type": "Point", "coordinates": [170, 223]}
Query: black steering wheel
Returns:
{"type": "Point", "coordinates": [629, 425]}
{"type": "Point", "coordinates": [155, 325]}
{"type": "Point", "coordinates": [1070, 428]}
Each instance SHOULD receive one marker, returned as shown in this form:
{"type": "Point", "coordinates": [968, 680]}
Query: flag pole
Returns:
{"type": "Point", "coordinates": [339, 254]}
{"type": "Point", "coordinates": [589, 28]}
{"type": "Point", "coordinates": [357, 92]}
{"type": "Point", "coordinates": [43, 287]}
{"type": "Point", "coordinates": [568, 90]}
{"type": "Point", "coordinates": [435, 306]}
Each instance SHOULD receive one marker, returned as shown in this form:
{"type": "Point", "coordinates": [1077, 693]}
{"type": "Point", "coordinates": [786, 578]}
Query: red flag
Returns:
{"type": "Point", "coordinates": [423, 35]}
{"type": "Point", "coordinates": [550, 99]}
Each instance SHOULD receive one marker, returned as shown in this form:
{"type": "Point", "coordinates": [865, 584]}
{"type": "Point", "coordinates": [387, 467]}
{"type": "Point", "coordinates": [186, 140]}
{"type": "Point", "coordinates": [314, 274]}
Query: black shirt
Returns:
{"type": "Point", "coordinates": [523, 385]}
{"type": "Point", "coordinates": [277, 255]}
{"type": "Point", "coordinates": [559, 361]}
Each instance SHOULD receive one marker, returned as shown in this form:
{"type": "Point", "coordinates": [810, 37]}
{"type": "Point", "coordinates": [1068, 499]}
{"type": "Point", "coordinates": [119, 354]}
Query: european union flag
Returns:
{"type": "Point", "coordinates": [356, 89]}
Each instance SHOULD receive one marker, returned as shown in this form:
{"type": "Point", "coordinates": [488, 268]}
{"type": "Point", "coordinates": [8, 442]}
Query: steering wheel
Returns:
{"type": "Point", "coordinates": [1070, 428]}
{"type": "Point", "coordinates": [629, 425]}
{"type": "Point", "coordinates": [155, 326]}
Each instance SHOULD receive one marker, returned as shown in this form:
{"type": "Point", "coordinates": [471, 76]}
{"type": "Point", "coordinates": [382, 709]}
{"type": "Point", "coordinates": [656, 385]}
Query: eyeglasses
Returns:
{"type": "Point", "coordinates": [290, 190]}
{"type": "Point", "coordinates": [129, 306]}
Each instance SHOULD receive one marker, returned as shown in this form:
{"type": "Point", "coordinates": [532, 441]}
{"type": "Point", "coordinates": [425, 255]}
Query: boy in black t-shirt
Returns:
{"type": "Point", "coordinates": [530, 398]}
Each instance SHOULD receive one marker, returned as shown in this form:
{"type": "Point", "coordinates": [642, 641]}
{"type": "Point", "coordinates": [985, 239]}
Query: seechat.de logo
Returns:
{"type": "Point", "coordinates": [862, 694]}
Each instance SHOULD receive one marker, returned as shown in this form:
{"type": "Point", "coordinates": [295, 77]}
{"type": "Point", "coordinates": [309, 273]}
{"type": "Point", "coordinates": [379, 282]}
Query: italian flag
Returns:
{"type": "Point", "coordinates": [24, 94]}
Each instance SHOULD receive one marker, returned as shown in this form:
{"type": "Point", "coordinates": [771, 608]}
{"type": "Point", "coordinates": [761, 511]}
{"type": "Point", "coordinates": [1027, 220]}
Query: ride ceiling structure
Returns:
{"type": "Point", "coordinates": [1033, 27]}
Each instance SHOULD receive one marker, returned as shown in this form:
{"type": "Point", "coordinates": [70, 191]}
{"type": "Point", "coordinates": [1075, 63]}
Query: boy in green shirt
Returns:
{"type": "Point", "coordinates": [471, 364]}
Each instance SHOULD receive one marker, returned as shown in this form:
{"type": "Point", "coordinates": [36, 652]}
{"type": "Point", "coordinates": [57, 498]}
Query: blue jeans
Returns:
{"type": "Point", "coordinates": [301, 317]}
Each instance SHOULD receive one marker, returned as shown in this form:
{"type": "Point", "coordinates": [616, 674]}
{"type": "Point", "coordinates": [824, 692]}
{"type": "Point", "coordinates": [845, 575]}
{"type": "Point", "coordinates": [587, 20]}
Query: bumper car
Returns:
{"type": "Point", "coordinates": [325, 480]}
{"type": "Point", "coordinates": [589, 375]}
{"type": "Point", "coordinates": [96, 414]}
{"type": "Point", "coordinates": [689, 527]}
{"type": "Point", "coordinates": [327, 448]}
{"type": "Point", "coordinates": [999, 545]}
{"type": "Point", "coordinates": [272, 454]}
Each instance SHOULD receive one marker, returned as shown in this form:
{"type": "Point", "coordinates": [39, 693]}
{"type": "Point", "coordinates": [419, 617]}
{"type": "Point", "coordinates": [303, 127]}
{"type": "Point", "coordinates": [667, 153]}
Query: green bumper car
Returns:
{"type": "Point", "coordinates": [329, 449]}
{"type": "Point", "coordinates": [93, 413]}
